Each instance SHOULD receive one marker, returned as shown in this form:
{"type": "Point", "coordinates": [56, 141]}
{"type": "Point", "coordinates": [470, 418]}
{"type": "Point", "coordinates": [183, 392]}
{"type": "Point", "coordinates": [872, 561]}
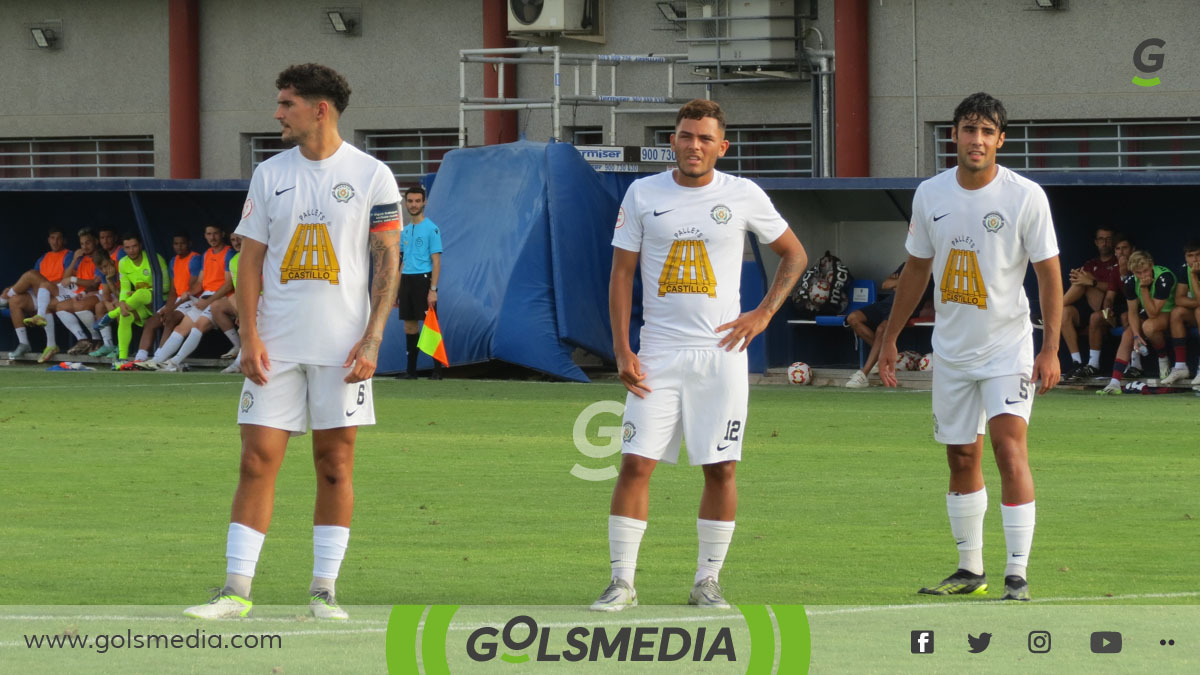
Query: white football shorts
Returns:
{"type": "Point", "coordinates": [190, 311]}
{"type": "Point", "coordinates": [698, 396]}
{"type": "Point", "coordinates": [964, 400]}
{"type": "Point", "coordinates": [296, 394]}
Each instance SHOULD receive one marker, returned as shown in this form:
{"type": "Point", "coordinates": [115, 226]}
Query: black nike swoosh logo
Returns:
{"type": "Point", "coordinates": [935, 218]}
{"type": "Point", "coordinates": [350, 413]}
{"type": "Point", "coordinates": [1018, 555]}
{"type": "Point", "coordinates": [659, 213]}
{"type": "Point", "coordinates": [722, 447]}
{"type": "Point", "coordinates": [1008, 402]}
{"type": "Point", "coordinates": [960, 543]}
{"type": "Point", "coordinates": [279, 192]}
{"type": "Point", "coordinates": [715, 561]}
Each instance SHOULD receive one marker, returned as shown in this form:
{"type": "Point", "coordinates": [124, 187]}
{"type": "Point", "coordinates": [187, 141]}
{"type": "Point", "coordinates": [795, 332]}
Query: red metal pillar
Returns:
{"type": "Point", "coordinates": [183, 19]}
{"type": "Point", "coordinates": [852, 123]}
{"type": "Point", "coordinates": [499, 126]}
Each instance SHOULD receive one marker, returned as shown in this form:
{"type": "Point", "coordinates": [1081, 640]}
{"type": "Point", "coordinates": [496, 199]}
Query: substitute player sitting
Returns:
{"type": "Point", "coordinates": [690, 379]}
{"type": "Point", "coordinates": [1150, 296]}
{"type": "Point", "coordinates": [315, 217]}
{"type": "Point", "coordinates": [977, 227]}
{"type": "Point", "coordinates": [135, 304]}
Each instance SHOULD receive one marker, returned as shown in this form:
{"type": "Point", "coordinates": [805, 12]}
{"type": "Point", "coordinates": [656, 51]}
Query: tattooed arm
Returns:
{"type": "Point", "coordinates": [384, 245]}
{"type": "Point", "coordinates": [746, 327]}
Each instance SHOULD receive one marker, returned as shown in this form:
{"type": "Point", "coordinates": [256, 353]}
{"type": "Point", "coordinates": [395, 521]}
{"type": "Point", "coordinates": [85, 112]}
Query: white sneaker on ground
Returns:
{"type": "Point", "coordinates": [234, 367]}
{"type": "Point", "coordinates": [225, 605]}
{"type": "Point", "coordinates": [232, 353]}
{"type": "Point", "coordinates": [706, 593]}
{"type": "Point", "coordinates": [21, 350]}
{"type": "Point", "coordinates": [324, 606]}
{"type": "Point", "coordinates": [616, 597]}
{"type": "Point", "coordinates": [1176, 375]}
{"type": "Point", "coordinates": [858, 380]}
{"type": "Point", "coordinates": [168, 367]}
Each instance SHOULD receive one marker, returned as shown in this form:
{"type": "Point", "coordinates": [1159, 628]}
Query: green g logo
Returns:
{"type": "Point", "coordinates": [1148, 63]}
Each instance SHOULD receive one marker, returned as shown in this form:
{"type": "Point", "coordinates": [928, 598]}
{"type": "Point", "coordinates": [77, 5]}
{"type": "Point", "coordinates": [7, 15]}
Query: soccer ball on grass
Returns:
{"type": "Point", "coordinates": [800, 373]}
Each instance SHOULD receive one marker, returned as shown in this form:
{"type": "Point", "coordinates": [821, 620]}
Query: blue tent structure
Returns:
{"type": "Point", "coordinates": [526, 230]}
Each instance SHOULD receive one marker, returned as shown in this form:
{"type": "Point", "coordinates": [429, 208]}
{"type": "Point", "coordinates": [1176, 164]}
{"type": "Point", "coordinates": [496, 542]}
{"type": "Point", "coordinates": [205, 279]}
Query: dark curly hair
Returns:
{"type": "Point", "coordinates": [984, 106]}
{"type": "Point", "coordinates": [314, 81]}
{"type": "Point", "coordinates": [698, 109]}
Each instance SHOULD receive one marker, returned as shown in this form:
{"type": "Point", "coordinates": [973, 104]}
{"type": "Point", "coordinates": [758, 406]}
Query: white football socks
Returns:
{"type": "Point", "coordinates": [329, 549]}
{"type": "Point", "coordinates": [714, 536]}
{"type": "Point", "coordinates": [232, 334]}
{"type": "Point", "coordinates": [51, 333]}
{"type": "Point", "coordinates": [1018, 536]}
{"type": "Point", "coordinates": [43, 301]}
{"type": "Point", "coordinates": [72, 324]}
{"type": "Point", "coordinates": [1094, 358]}
{"type": "Point", "coordinates": [168, 348]}
{"type": "Point", "coordinates": [88, 317]}
{"type": "Point", "coordinates": [189, 346]}
{"type": "Point", "coordinates": [23, 336]}
{"type": "Point", "coordinates": [624, 538]}
{"type": "Point", "coordinates": [966, 524]}
{"type": "Point", "coordinates": [242, 547]}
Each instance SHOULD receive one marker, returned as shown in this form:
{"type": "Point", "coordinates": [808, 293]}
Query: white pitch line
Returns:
{"type": "Point", "coordinates": [123, 385]}
{"type": "Point", "coordinates": [882, 608]}
{"type": "Point", "coordinates": [607, 622]}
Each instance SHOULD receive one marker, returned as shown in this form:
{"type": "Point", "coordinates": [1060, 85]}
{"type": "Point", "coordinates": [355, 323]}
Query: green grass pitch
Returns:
{"type": "Point", "coordinates": [117, 490]}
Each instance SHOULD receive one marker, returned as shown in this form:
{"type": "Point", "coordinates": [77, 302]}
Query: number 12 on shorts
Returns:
{"type": "Point", "coordinates": [732, 429]}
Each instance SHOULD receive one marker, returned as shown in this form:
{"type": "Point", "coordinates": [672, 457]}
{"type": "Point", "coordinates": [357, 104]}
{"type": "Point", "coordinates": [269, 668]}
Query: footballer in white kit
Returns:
{"type": "Point", "coordinates": [320, 220]}
{"type": "Point", "coordinates": [976, 228]}
{"type": "Point", "coordinates": [687, 228]}
{"type": "Point", "coordinates": [315, 217]}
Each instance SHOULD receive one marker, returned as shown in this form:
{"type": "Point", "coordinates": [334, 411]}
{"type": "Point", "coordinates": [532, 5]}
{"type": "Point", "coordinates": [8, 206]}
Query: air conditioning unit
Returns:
{"type": "Point", "coordinates": [744, 32]}
{"type": "Point", "coordinates": [550, 16]}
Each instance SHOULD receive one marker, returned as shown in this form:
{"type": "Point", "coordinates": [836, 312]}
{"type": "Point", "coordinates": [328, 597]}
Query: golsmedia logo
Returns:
{"type": "Point", "coordinates": [445, 639]}
{"type": "Point", "coordinates": [1149, 62]}
{"type": "Point", "coordinates": [624, 643]}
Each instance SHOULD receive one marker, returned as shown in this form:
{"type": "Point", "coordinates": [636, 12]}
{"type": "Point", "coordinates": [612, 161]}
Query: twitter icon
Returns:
{"type": "Point", "coordinates": [978, 644]}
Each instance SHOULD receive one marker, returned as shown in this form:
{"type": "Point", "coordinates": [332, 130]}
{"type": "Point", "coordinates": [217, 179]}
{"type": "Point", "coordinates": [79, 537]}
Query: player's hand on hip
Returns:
{"type": "Point", "coordinates": [362, 359]}
{"type": "Point", "coordinates": [255, 361]}
{"type": "Point", "coordinates": [743, 329]}
{"type": "Point", "coordinates": [1046, 371]}
{"type": "Point", "coordinates": [887, 364]}
{"type": "Point", "coordinates": [629, 369]}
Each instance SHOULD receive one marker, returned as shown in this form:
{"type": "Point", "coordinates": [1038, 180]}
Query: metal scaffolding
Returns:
{"type": "Point", "coordinates": [553, 57]}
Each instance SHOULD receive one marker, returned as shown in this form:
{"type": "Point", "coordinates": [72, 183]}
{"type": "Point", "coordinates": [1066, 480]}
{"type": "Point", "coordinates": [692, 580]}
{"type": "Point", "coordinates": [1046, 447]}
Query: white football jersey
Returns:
{"type": "Point", "coordinates": [691, 242]}
{"type": "Point", "coordinates": [315, 218]}
{"type": "Point", "coordinates": [981, 242]}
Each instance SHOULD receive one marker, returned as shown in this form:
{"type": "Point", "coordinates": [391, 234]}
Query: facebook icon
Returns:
{"type": "Point", "coordinates": [922, 642]}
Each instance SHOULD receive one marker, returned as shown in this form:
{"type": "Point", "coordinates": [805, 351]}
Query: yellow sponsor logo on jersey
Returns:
{"type": "Point", "coordinates": [310, 256]}
{"type": "Point", "coordinates": [687, 270]}
{"type": "Point", "coordinates": [962, 282]}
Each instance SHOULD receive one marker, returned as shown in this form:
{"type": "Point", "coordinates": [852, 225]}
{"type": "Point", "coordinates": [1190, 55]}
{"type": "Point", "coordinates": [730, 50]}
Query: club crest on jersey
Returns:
{"type": "Point", "coordinates": [620, 218]}
{"type": "Point", "coordinates": [343, 192]}
{"type": "Point", "coordinates": [247, 208]}
{"type": "Point", "coordinates": [628, 431]}
{"type": "Point", "coordinates": [247, 402]}
{"type": "Point", "coordinates": [992, 222]}
{"type": "Point", "coordinates": [720, 214]}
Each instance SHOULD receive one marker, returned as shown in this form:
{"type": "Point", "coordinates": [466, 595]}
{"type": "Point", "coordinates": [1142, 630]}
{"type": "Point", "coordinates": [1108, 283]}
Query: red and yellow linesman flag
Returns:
{"type": "Point", "coordinates": [430, 341]}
